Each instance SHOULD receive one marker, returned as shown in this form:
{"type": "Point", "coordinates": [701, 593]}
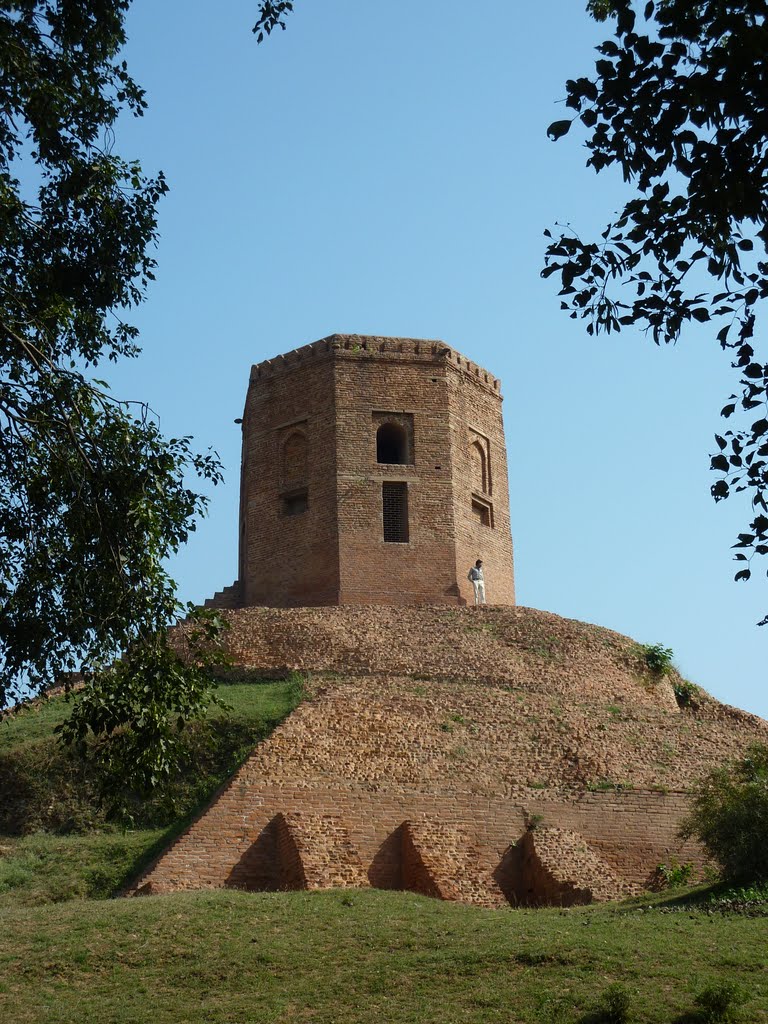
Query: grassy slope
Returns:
{"type": "Point", "coordinates": [79, 855]}
{"type": "Point", "coordinates": [353, 956]}
{"type": "Point", "coordinates": [362, 957]}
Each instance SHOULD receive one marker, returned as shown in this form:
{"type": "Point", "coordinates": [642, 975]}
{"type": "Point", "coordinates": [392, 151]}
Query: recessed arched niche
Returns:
{"type": "Point", "coordinates": [295, 458]}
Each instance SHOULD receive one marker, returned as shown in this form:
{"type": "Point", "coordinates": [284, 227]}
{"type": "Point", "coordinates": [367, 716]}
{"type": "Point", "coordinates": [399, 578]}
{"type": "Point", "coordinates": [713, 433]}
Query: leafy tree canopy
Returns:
{"type": "Point", "coordinates": [93, 498]}
{"type": "Point", "coordinates": [679, 102]}
{"type": "Point", "coordinates": [729, 817]}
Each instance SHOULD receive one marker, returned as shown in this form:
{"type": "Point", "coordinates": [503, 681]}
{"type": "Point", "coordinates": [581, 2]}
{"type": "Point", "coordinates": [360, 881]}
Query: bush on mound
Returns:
{"type": "Point", "coordinates": [729, 817]}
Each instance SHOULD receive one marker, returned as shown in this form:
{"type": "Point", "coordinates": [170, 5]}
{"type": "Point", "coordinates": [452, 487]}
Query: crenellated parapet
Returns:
{"type": "Point", "coordinates": [360, 346]}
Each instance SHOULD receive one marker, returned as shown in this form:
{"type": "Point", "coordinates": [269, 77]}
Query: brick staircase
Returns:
{"type": "Point", "coordinates": [228, 598]}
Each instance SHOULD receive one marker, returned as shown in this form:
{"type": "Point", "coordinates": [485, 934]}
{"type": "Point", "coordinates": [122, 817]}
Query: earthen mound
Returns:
{"type": "Point", "coordinates": [497, 756]}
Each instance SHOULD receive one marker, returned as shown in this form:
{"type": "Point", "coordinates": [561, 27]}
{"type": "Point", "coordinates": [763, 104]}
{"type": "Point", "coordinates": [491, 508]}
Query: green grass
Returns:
{"type": "Point", "coordinates": [44, 868]}
{"type": "Point", "coordinates": [249, 701]}
{"type": "Point", "coordinates": [55, 841]}
{"type": "Point", "coordinates": [34, 722]}
{"type": "Point", "coordinates": [363, 957]}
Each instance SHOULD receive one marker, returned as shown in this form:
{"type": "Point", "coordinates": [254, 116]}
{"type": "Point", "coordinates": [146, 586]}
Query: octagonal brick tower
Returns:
{"type": "Point", "coordinates": [374, 471]}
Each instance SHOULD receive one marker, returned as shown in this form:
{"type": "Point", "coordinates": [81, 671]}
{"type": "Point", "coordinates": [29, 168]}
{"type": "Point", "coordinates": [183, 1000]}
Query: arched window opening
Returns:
{"type": "Point", "coordinates": [479, 467]}
{"type": "Point", "coordinates": [391, 444]}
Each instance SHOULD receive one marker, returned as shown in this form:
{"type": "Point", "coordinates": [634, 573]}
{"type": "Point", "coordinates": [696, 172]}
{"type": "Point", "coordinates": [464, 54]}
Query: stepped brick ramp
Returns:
{"type": "Point", "coordinates": [438, 745]}
{"type": "Point", "coordinates": [229, 598]}
{"type": "Point", "coordinates": [381, 731]}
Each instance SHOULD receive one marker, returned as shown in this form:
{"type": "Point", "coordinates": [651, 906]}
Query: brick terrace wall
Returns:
{"type": "Point", "coordinates": [491, 740]}
{"type": "Point", "coordinates": [438, 740]}
{"type": "Point", "coordinates": [631, 832]}
{"type": "Point", "coordinates": [469, 767]}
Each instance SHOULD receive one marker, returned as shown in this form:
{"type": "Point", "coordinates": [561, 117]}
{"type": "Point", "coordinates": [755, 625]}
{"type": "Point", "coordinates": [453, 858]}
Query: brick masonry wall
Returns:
{"type": "Point", "coordinates": [372, 570]}
{"type": "Point", "coordinates": [476, 425]}
{"type": "Point", "coordinates": [289, 559]}
{"type": "Point", "coordinates": [428, 762]}
{"type": "Point", "coordinates": [629, 832]}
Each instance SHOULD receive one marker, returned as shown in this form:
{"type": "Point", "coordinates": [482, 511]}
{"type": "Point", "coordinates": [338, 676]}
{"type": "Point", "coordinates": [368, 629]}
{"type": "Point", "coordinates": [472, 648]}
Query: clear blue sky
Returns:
{"type": "Point", "coordinates": [382, 167]}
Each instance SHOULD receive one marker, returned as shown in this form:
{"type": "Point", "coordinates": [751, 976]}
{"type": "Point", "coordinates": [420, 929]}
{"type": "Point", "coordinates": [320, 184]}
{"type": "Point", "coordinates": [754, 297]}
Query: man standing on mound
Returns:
{"type": "Point", "coordinates": [475, 575]}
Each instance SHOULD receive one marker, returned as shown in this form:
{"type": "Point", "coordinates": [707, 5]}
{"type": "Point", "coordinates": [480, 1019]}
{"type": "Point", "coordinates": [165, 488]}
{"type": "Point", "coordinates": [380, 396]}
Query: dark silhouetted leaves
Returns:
{"type": "Point", "coordinates": [271, 16]}
{"type": "Point", "coordinates": [679, 102]}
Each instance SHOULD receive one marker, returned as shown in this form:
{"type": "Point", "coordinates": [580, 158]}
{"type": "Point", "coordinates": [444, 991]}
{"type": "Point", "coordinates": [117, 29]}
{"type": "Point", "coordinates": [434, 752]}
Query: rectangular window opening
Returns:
{"type": "Point", "coordinates": [296, 503]}
{"type": "Point", "coordinates": [482, 512]}
{"type": "Point", "coordinates": [394, 504]}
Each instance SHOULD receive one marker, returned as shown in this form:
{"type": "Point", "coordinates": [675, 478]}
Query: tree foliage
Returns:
{"type": "Point", "coordinates": [271, 16]}
{"type": "Point", "coordinates": [93, 498]}
{"type": "Point", "coordinates": [679, 102]}
{"type": "Point", "coordinates": [128, 721]}
{"type": "Point", "coordinates": [729, 817]}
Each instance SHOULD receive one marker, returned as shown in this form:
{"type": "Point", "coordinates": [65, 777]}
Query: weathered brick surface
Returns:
{"type": "Point", "coordinates": [443, 861]}
{"type": "Point", "coordinates": [522, 647]}
{"type": "Point", "coordinates": [309, 435]}
{"type": "Point", "coordinates": [424, 762]}
{"type": "Point", "coordinates": [318, 851]}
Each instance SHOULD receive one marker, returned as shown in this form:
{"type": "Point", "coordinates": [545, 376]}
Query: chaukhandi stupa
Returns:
{"type": "Point", "coordinates": [498, 755]}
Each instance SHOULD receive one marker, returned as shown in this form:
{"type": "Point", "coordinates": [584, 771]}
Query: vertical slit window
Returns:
{"type": "Point", "coordinates": [394, 504]}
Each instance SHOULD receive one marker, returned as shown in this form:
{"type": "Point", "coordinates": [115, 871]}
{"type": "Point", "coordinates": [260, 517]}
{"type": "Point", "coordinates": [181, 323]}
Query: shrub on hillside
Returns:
{"type": "Point", "coordinates": [674, 874]}
{"type": "Point", "coordinates": [729, 816]}
{"type": "Point", "coordinates": [658, 658]}
{"type": "Point", "coordinates": [686, 694]}
{"type": "Point", "coordinates": [719, 1001]}
{"type": "Point", "coordinates": [615, 1006]}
